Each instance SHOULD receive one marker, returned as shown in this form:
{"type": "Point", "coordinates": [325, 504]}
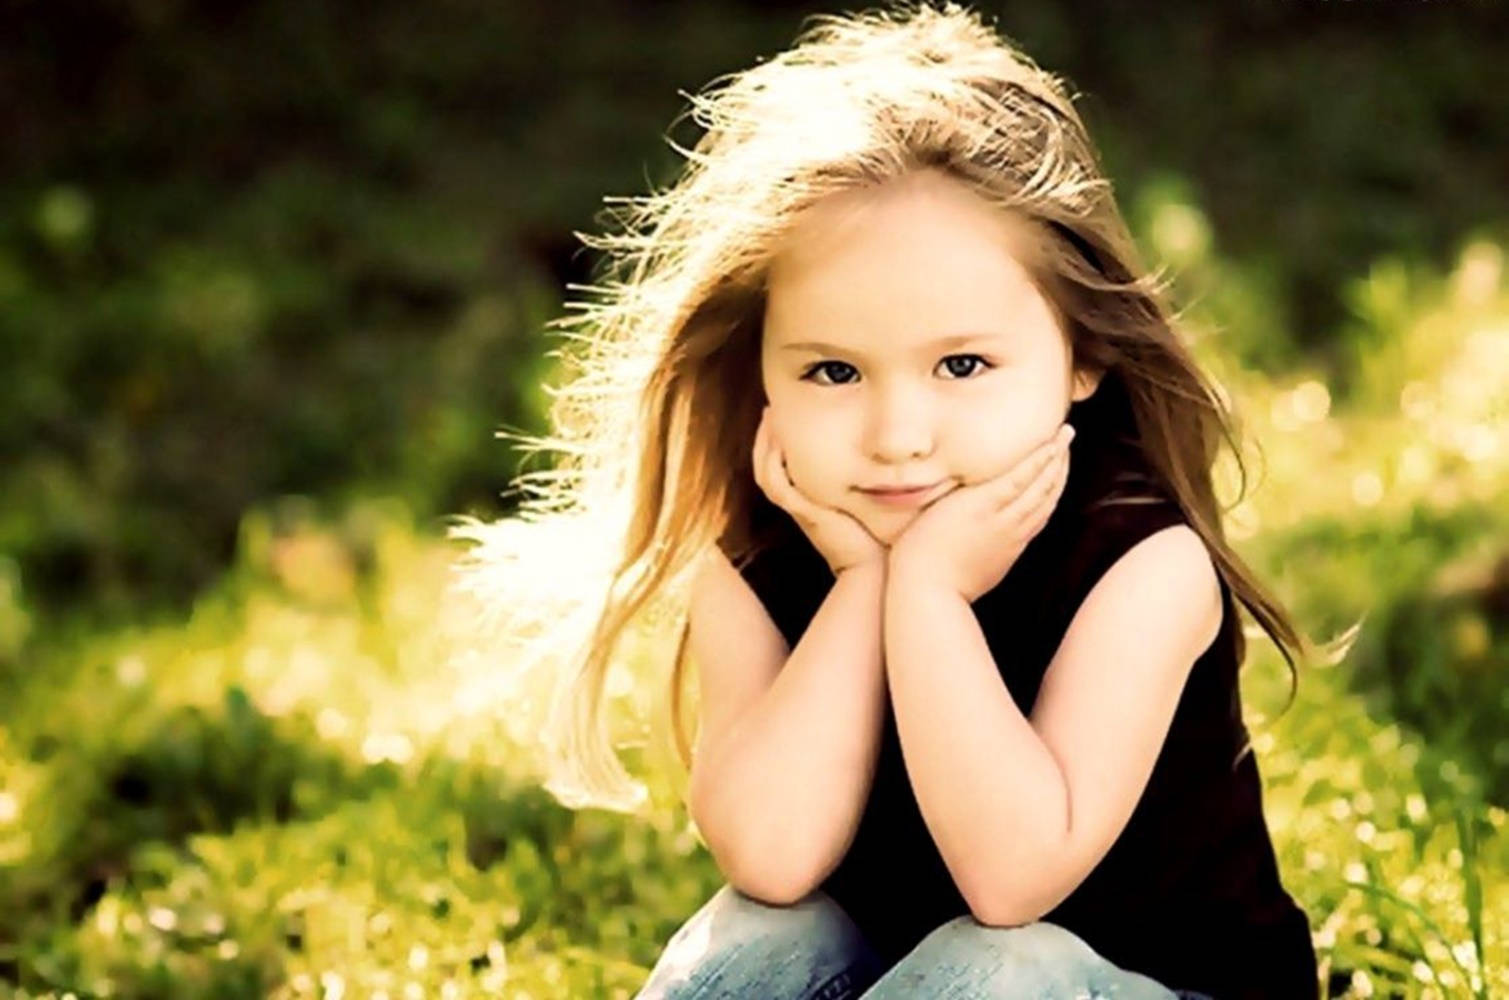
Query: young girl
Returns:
{"type": "Point", "coordinates": [981, 738]}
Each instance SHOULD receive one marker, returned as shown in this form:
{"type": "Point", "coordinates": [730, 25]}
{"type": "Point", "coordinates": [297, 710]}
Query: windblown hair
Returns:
{"type": "Point", "coordinates": [656, 427]}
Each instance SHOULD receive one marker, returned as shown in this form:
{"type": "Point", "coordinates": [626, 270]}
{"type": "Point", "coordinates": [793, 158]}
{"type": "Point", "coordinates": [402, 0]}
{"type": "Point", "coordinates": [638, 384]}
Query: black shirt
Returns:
{"type": "Point", "coordinates": [1189, 894]}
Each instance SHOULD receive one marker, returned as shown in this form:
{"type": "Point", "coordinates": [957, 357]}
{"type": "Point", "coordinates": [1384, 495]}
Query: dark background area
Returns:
{"type": "Point", "coordinates": [265, 248]}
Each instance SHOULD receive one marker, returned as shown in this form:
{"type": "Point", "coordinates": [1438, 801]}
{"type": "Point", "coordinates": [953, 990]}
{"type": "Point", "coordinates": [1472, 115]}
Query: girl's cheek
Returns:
{"type": "Point", "coordinates": [806, 474]}
{"type": "Point", "coordinates": [787, 435]}
{"type": "Point", "coordinates": [800, 458]}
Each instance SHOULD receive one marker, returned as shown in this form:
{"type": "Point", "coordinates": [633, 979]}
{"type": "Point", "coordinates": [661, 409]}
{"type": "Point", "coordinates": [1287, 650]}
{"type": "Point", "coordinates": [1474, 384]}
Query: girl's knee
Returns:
{"type": "Point", "coordinates": [1040, 943]}
{"type": "Point", "coordinates": [1039, 959]}
{"type": "Point", "coordinates": [737, 945]}
{"type": "Point", "coordinates": [731, 916]}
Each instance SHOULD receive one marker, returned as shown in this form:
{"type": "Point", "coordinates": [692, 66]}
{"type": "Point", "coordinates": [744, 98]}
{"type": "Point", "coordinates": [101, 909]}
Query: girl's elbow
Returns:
{"type": "Point", "coordinates": [765, 879]}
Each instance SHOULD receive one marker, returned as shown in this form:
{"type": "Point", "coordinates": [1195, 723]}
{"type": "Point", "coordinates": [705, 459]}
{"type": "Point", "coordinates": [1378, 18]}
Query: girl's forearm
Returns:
{"type": "Point", "coordinates": [786, 788]}
{"type": "Point", "coordinates": [958, 724]}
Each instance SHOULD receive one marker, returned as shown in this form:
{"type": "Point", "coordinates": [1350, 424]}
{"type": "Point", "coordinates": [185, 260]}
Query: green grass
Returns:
{"type": "Point", "coordinates": [299, 789]}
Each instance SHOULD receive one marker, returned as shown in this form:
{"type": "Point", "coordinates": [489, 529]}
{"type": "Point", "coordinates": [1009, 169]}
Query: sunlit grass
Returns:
{"type": "Point", "coordinates": [306, 789]}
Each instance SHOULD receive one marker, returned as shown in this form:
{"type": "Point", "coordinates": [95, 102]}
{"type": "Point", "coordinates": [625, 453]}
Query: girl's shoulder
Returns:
{"type": "Point", "coordinates": [1112, 502]}
{"type": "Point", "coordinates": [1110, 528]}
{"type": "Point", "coordinates": [1088, 541]}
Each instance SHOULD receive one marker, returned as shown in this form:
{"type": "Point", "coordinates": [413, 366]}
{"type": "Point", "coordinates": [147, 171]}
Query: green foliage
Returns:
{"type": "Point", "coordinates": [300, 791]}
{"type": "Point", "coordinates": [217, 352]}
{"type": "Point", "coordinates": [285, 247]}
{"type": "Point", "coordinates": [290, 794]}
{"type": "Point", "coordinates": [309, 337]}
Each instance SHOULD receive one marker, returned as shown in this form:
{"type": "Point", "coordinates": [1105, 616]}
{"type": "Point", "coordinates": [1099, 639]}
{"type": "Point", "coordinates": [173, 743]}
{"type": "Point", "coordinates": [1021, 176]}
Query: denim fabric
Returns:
{"type": "Point", "coordinates": [736, 946]}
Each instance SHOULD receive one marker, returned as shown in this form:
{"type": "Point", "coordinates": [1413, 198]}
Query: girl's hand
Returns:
{"type": "Point", "coordinates": [969, 538]}
{"type": "Point", "coordinates": [837, 535]}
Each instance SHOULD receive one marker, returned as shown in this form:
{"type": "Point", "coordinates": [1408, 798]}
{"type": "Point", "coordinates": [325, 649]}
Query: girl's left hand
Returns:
{"type": "Point", "coordinates": [969, 538]}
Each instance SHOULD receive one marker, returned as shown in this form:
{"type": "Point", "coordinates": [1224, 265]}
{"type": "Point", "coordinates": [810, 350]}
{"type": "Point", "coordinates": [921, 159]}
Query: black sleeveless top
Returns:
{"type": "Point", "coordinates": [1189, 894]}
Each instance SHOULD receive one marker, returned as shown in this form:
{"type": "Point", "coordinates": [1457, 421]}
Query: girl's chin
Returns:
{"type": "Point", "coordinates": [888, 526]}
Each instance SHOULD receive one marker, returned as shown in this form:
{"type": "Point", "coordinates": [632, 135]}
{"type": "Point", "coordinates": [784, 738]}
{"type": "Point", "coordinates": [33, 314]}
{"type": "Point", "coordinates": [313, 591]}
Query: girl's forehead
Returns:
{"type": "Point", "coordinates": [926, 193]}
{"type": "Point", "coordinates": [903, 266]}
{"type": "Point", "coordinates": [926, 221]}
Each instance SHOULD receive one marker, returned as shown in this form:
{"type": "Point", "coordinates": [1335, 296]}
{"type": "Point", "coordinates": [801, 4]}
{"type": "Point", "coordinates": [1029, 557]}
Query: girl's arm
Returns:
{"type": "Point", "coordinates": [1023, 809]}
{"type": "Point", "coordinates": [779, 782]}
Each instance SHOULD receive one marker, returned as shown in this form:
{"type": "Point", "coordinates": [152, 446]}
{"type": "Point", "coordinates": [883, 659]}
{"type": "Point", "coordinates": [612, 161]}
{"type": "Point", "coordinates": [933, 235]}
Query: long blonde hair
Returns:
{"type": "Point", "coordinates": [655, 426]}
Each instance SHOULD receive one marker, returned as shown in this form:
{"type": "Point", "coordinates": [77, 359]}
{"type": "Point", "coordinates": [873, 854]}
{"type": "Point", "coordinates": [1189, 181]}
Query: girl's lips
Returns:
{"type": "Point", "coordinates": [901, 498]}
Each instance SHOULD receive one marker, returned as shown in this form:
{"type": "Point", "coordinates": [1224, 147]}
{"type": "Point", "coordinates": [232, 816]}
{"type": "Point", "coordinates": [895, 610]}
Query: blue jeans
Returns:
{"type": "Point", "coordinates": [736, 946]}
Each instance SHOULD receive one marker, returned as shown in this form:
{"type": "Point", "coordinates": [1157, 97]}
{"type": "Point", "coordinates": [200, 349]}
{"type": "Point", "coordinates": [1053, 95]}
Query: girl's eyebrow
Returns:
{"type": "Point", "coordinates": [952, 340]}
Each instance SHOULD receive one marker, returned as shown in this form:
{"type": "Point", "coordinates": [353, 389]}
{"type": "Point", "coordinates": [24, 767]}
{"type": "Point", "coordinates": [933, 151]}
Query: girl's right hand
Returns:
{"type": "Point", "coordinates": [837, 535]}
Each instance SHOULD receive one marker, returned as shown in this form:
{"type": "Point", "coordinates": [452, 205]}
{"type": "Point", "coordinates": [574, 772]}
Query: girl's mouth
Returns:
{"type": "Point", "coordinates": [901, 498]}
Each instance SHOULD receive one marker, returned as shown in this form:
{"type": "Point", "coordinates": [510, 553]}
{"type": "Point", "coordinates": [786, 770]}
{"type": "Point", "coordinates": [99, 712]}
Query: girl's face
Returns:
{"type": "Point", "coordinates": [864, 389]}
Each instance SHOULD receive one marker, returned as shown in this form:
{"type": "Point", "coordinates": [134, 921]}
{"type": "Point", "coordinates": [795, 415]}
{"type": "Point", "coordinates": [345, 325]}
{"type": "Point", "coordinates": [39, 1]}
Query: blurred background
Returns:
{"type": "Point", "coordinates": [272, 274]}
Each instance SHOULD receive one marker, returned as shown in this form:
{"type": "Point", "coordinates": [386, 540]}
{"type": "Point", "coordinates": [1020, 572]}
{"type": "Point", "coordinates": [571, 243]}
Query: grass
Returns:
{"type": "Point", "coordinates": [300, 790]}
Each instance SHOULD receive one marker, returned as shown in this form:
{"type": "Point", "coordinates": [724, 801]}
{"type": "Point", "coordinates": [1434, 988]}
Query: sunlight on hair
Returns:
{"type": "Point", "coordinates": [653, 424]}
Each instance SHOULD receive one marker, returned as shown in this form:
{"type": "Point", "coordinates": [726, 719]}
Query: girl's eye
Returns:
{"type": "Point", "coordinates": [842, 365]}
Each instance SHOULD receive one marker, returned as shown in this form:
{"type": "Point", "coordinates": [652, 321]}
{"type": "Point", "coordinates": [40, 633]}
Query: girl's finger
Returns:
{"type": "Point", "coordinates": [778, 485]}
{"type": "Point", "coordinates": [770, 472]}
{"type": "Point", "coordinates": [1043, 511]}
{"type": "Point", "coordinates": [769, 465]}
{"type": "Point", "coordinates": [1060, 481]}
{"type": "Point", "coordinates": [1021, 475]}
{"type": "Point", "coordinates": [757, 455]}
{"type": "Point", "coordinates": [1043, 486]}
{"type": "Point", "coordinates": [1037, 468]}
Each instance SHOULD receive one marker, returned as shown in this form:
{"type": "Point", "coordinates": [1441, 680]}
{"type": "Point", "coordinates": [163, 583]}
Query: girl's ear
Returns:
{"type": "Point", "coordinates": [1085, 384]}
